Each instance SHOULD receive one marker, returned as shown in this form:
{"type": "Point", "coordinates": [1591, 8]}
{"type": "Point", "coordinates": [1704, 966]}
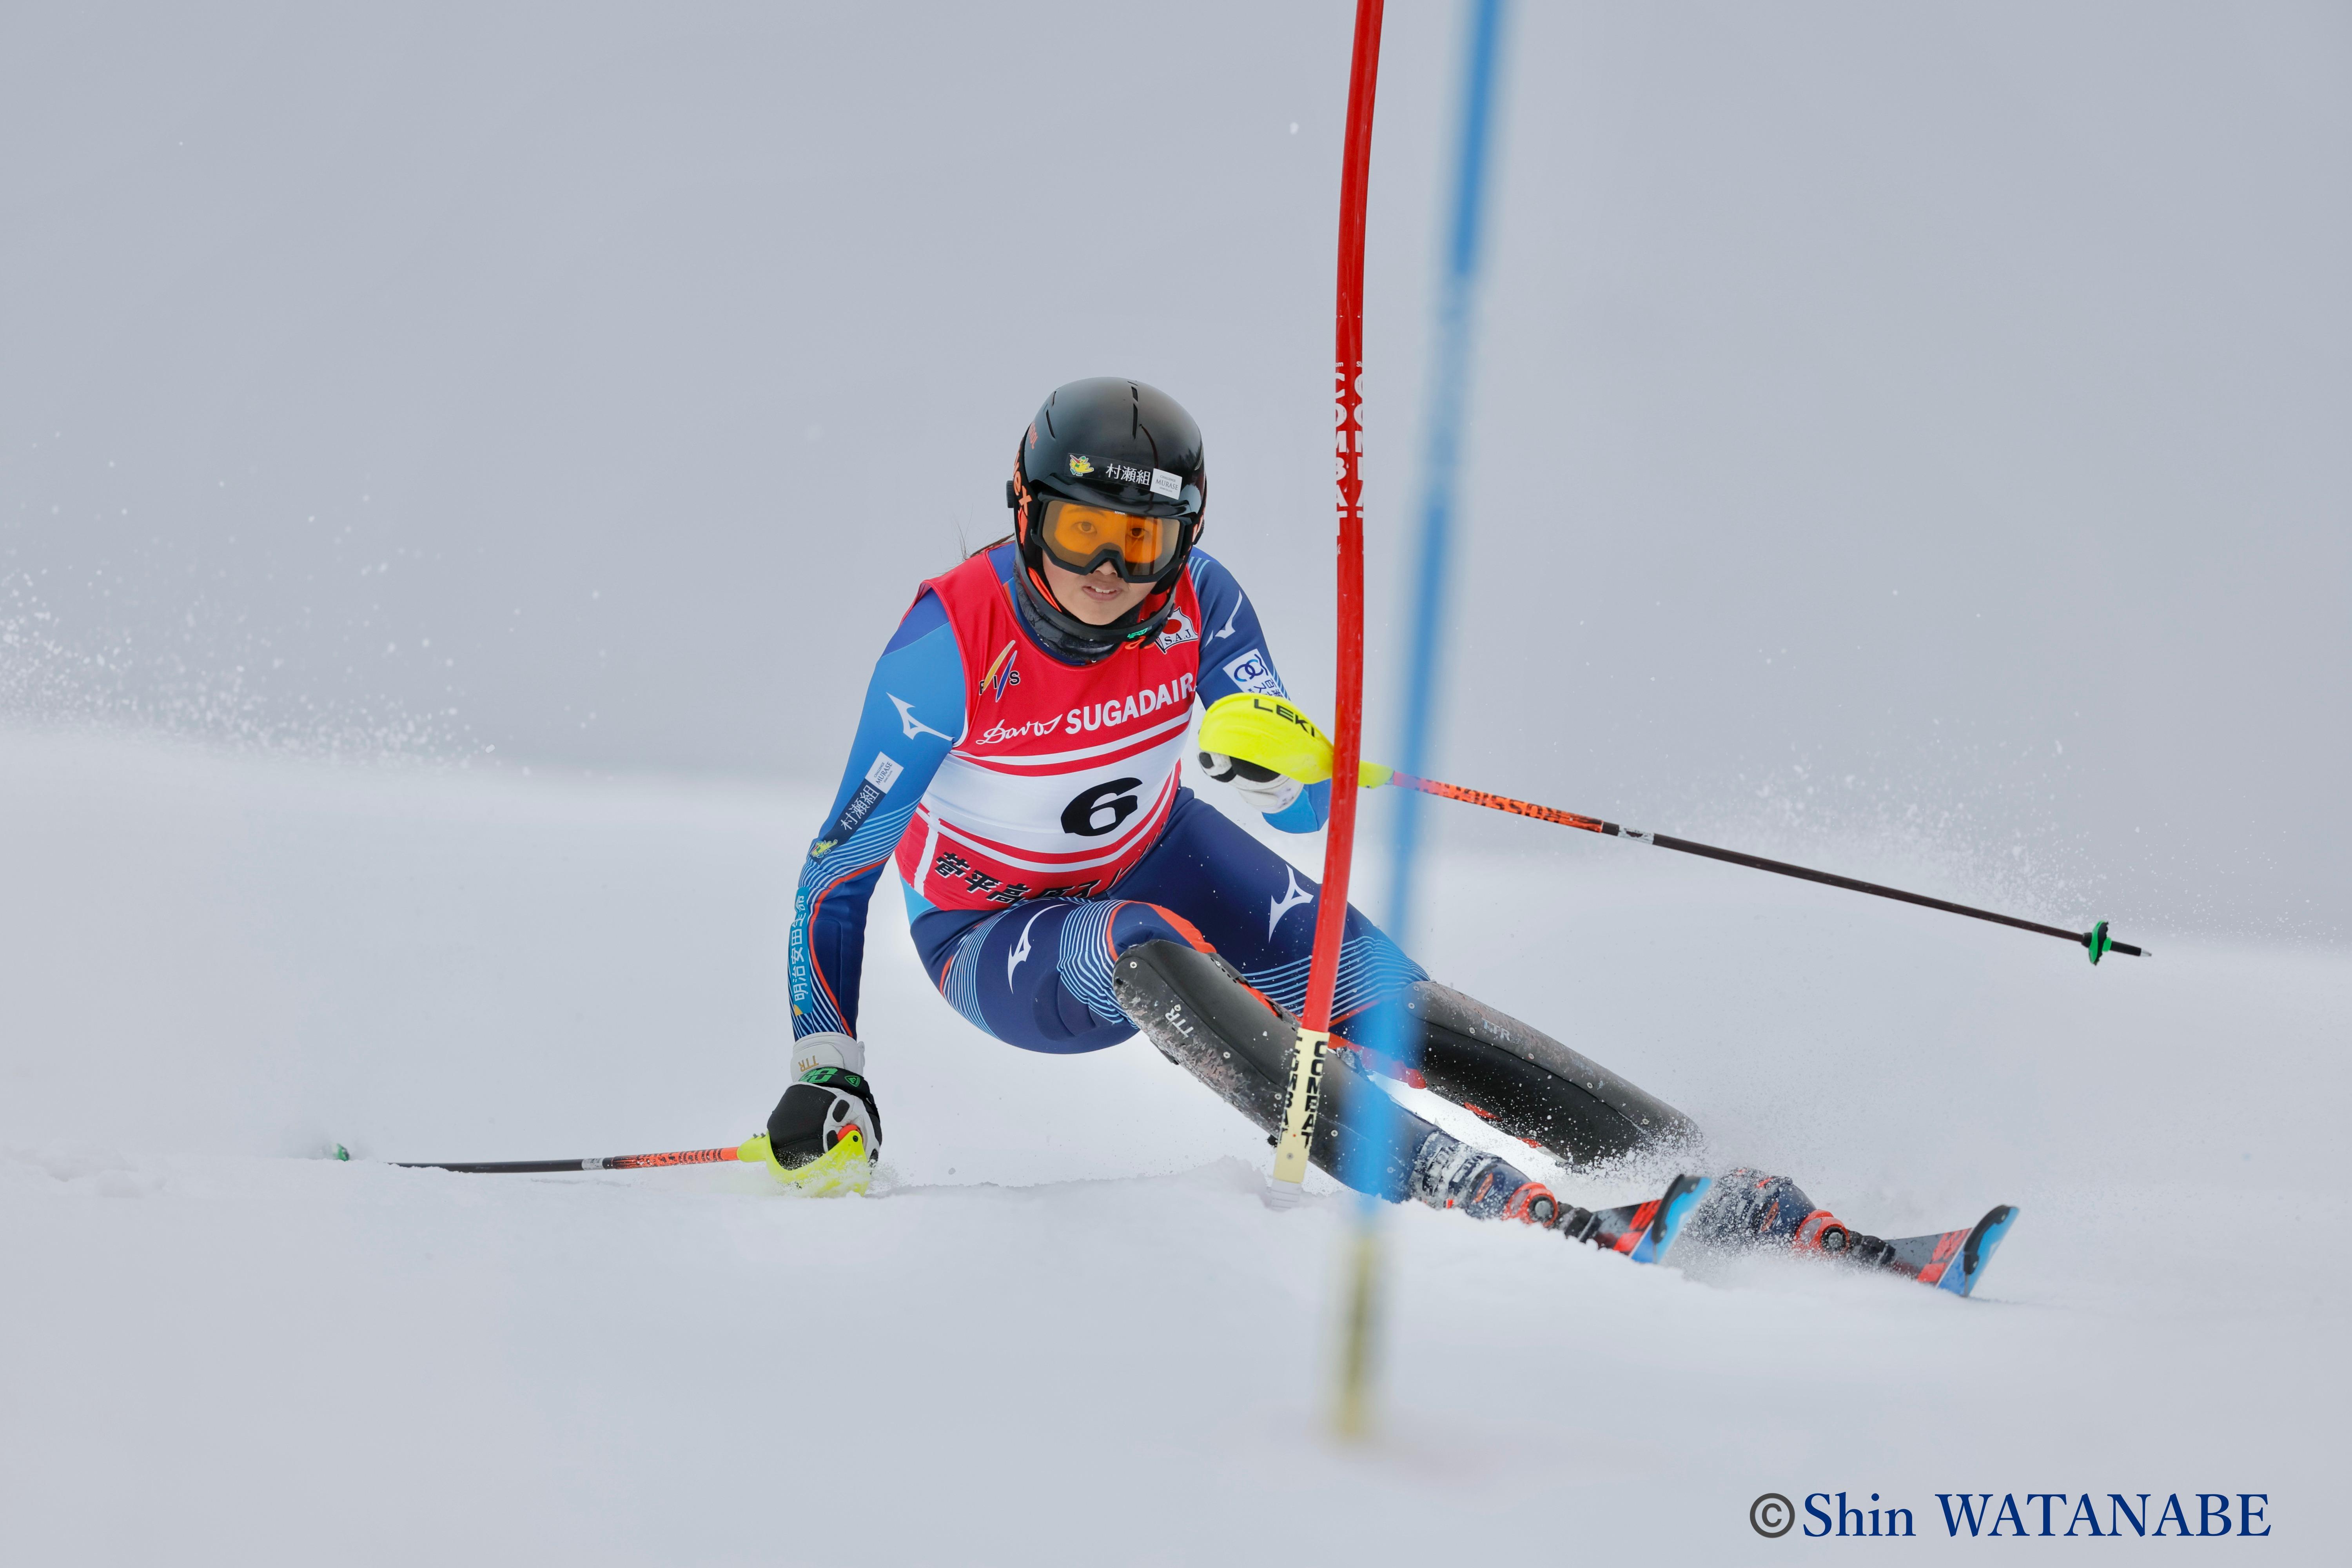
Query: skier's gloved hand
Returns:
{"type": "Point", "coordinates": [1273, 736]}
{"type": "Point", "coordinates": [1265, 790]}
{"type": "Point", "coordinates": [826, 1134]}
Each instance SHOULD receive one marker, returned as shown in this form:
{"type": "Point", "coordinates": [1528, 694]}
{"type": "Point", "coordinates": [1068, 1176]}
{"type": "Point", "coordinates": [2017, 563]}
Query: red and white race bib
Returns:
{"type": "Point", "coordinates": [1063, 775]}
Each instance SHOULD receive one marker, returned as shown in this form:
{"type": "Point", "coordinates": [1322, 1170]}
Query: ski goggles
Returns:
{"type": "Point", "coordinates": [1080, 537]}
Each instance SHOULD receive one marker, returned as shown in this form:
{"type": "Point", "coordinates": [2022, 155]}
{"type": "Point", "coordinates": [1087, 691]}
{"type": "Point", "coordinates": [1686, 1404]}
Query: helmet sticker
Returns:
{"type": "Point", "coordinates": [1164, 483]}
{"type": "Point", "coordinates": [1081, 466]}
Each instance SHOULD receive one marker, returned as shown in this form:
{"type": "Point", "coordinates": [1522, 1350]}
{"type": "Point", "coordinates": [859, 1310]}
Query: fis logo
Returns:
{"type": "Point", "coordinates": [1002, 675]}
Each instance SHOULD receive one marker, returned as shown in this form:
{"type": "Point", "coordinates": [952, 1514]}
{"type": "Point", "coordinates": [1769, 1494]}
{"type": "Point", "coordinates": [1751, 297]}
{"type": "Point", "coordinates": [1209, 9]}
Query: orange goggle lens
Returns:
{"type": "Point", "coordinates": [1080, 538]}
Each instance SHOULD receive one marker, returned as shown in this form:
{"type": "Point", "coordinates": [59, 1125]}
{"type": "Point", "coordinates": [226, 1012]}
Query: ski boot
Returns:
{"type": "Point", "coordinates": [1753, 1208]}
{"type": "Point", "coordinates": [1449, 1174]}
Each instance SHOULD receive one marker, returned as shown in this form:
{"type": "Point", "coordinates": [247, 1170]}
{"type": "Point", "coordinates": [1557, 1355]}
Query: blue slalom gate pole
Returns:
{"type": "Point", "coordinates": [1418, 680]}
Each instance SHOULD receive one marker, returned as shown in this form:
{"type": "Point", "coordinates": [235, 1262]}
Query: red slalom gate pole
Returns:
{"type": "Point", "coordinates": [1338, 846]}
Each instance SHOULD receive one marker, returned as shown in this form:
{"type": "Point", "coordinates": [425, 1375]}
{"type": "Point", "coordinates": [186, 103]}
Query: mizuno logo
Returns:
{"type": "Point", "coordinates": [913, 725]}
{"type": "Point", "coordinates": [1291, 898]}
{"type": "Point", "coordinates": [1021, 950]}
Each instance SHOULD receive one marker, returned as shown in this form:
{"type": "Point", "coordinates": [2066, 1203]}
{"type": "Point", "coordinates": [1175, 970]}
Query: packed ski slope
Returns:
{"type": "Point", "coordinates": [1069, 1332]}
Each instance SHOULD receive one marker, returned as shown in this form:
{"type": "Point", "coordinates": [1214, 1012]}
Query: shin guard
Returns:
{"type": "Point", "coordinates": [1205, 1019]}
{"type": "Point", "coordinates": [1532, 1087]}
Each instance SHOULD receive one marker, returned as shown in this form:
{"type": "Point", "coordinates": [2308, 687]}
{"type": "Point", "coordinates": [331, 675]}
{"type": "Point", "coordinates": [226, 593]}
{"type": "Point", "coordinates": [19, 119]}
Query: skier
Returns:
{"type": "Point", "coordinates": [1019, 756]}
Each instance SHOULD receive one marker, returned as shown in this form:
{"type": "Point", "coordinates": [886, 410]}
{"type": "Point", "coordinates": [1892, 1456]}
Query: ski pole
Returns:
{"type": "Point", "coordinates": [1271, 735]}
{"type": "Point", "coordinates": [609, 1162]}
{"type": "Point", "coordinates": [2095, 940]}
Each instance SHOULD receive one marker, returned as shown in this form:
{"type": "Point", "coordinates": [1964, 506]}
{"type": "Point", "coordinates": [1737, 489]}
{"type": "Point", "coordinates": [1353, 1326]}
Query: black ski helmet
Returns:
{"type": "Point", "coordinates": [1112, 442]}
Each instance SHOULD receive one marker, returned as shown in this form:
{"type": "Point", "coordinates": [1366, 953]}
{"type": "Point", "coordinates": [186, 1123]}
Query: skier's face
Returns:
{"type": "Point", "coordinates": [1098, 599]}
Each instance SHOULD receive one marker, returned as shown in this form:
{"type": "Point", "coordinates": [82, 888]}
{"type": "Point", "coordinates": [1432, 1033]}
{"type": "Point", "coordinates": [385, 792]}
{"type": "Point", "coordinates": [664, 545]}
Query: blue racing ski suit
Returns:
{"type": "Point", "coordinates": [1033, 969]}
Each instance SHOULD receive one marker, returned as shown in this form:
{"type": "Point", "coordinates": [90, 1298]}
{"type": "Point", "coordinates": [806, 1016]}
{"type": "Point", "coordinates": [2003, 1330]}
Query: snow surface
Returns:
{"type": "Point", "coordinates": [1069, 1332]}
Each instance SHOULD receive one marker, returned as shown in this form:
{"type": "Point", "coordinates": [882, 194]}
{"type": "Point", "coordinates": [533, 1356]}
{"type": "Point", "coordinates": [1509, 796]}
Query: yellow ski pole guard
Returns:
{"type": "Point", "coordinates": [1272, 733]}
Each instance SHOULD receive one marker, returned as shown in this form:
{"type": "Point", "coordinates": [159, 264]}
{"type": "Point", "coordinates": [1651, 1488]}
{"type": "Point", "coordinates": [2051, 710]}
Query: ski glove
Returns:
{"type": "Point", "coordinates": [825, 1133]}
{"type": "Point", "coordinates": [1266, 790]}
{"type": "Point", "coordinates": [1274, 737]}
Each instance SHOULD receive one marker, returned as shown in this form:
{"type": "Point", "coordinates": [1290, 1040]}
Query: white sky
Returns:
{"type": "Point", "coordinates": [1951, 399]}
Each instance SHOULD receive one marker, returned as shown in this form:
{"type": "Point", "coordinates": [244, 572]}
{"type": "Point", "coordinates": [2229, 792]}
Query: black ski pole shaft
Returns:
{"type": "Point", "coordinates": [2095, 940]}
{"type": "Point", "coordinates": [593, 1162]}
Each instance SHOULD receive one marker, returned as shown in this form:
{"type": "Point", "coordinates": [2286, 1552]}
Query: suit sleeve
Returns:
{"type": "Point", "coordinates": [1234, 658]}
{"type": "Point", "coordinates": [913, 704]}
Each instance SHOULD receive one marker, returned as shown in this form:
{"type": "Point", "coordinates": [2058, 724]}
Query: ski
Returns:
{"type": "Point", "coordinates": [1952, 1260]}
{"type": "Point", "coordinates": [1642, 1232]}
